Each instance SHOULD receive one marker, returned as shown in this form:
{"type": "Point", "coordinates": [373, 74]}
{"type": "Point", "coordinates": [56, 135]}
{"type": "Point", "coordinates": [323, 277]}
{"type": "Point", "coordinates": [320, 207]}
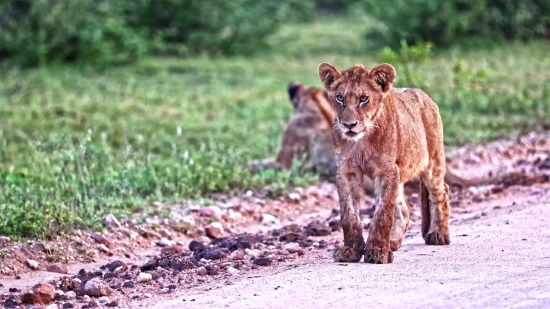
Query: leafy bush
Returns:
{"type": "Point", "coordinates": [43, 31]}
{"type": "Point", "coordinates": [229, 27]}
{"type": "Point", "coordinates": [445, 22]}
{"type": "Point", "coordinates": [406, 60]}
{"type": "Point", "coordinates": [334, 5]}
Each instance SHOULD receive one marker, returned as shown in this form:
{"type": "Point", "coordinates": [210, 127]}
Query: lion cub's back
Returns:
{"type": "Point", "coordinates": [419, 106]}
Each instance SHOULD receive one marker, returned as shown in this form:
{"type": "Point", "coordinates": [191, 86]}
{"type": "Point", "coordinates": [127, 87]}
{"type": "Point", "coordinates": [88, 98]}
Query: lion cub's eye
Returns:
{"type": "Point", "coordinates": [363, 99]}
{"type": "Point", "coordinates": [340, 99]}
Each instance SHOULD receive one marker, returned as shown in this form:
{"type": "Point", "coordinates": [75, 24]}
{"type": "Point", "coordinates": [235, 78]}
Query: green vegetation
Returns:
{"type": "Point", "coordinates": [40, 32]}
{"type": "Point", "coordinates": [80, 142]}
{"type": "Point", "coordinates": [453, 22]}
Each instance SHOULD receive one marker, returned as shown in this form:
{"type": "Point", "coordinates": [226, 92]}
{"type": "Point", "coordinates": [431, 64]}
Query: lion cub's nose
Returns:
{"type": "Point", "coordinates": [350, 125]}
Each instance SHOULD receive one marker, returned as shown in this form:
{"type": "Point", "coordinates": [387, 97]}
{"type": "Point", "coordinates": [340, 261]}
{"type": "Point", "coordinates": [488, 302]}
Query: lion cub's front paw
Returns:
{"type": "Point", "coordinates": [438, 238]}
{"type": "Point", "coordinates": [378, 256]}
{"type": "Point", "coordinates": [347, 254]}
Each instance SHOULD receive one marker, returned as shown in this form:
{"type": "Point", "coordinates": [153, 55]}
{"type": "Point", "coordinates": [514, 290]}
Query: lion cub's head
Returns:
{"type": "Point", "coordinates": [356, 96]}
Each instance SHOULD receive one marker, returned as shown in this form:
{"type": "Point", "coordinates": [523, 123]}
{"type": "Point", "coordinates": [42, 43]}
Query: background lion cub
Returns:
{"type": "Point", "coordinates": [390, 135]}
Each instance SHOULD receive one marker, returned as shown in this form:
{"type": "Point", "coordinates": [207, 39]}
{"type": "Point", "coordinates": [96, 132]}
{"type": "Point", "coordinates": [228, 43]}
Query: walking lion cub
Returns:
{"type": "Point", "coordinates": [391, 135]}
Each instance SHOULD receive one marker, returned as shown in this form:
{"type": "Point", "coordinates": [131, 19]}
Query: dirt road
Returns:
{"type": "Point", "coordinates": [497, 260]}
{"type": "Point", "coordinates": [266, 252]}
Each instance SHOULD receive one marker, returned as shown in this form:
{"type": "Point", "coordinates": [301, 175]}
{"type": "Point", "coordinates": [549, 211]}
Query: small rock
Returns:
{"type": "Point", "coordinates": [42, 293]}
{"type": "Point", "coordinates": [114, 303]}
{"type": "Point", "coordinates": [148, 295]}
{"type": "Point", "coordinates": [96, 287]}
{"type": "Point", "coordinates": [317, 228]}
{"type": "Point", "coordinates": [128, 284]}
{"type": "Point", "coordinates": [181, 264]}
{"type": "Point", "coordinates": [232, 270]}
{"type": "Point", "coordinates": [172, 249]}
{"type": "Point", "coordinates": [116, 283]}
{"type": "Point", "coordinates": [57, 268]}
{"type": "Point", "coordinates": [52, 306]}
{"type": "Point", "coordinates": [196, 246]}
{"type": "Point", "coordinates": [165, 242]}
{"type": "Point", "coordinates": [294, 197]}
{"type": "Point", "coordinates": [11, 303]}
{"type": "Point", "coordinates": [251, 252]}
{"type": "Point", "coordinates": [100, 239]}
{"type": "Point", "coordinates": [270, 220]}
{"type": "Point", "coordinates": [4, 239]}
{"type": "Point", "coordinates": [33, 264]}
{"type": "Point", "coordinates": [292, 247]}
{"type": "Point", "coordinates": [211, 212]}
{"type": "Point", "coordinates": [201, 271]}
{"type": "Point", "coordinates": [214, 253]}
{"type": "Point", "coordinates": [70, 295]}
{"type": "Point", "coordinates": [149, 265]}
{"type": "Point", "coordinates": [117, 266]}
{"type": "Point", "coordinates": [102, 248]}
{"type": "Point", "coordinates": [214, 230]}
{"type": "Point", "coordinates": [103, 300]}
{"type": "Point", "coordinates": [144, 277]}
{"type": "Point", "coordinates": [68, 306]}
{"type": "Point", "coordinates": [237, 255]}
{"type": "Point", "coordinates": [263, 261]}
{"type": "Point", "coordinates": [111, 221]}
{"type": "Point", "coordinates": [211, 270]}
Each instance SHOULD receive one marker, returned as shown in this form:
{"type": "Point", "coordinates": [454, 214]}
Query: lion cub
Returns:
{"type": "Point", "coordinates": [391, 135]}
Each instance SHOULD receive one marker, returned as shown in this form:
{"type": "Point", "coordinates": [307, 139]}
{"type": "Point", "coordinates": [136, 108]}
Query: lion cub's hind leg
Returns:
{"type": "Point", "coordinates": [401, 220]}
{"type": "Point", "coordinates": [435, 207]}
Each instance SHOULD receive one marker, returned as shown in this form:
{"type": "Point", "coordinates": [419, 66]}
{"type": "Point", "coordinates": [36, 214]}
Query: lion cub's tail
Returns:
{"type": "Point", "coordinates": [425, 208]}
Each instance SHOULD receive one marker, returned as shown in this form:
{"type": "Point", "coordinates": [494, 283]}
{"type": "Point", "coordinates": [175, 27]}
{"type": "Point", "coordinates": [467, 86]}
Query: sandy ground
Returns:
{"type": "Point", "coordinates": [494, 261]}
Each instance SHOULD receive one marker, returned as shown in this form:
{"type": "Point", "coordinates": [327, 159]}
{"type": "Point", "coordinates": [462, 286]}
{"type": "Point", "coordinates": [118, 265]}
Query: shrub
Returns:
{"type": "Point", "coordinates": [445, 22]}
{"type": "Point", "coordinates": [215, 26]}
{"type": "Point", "coordinates": [43, 31]}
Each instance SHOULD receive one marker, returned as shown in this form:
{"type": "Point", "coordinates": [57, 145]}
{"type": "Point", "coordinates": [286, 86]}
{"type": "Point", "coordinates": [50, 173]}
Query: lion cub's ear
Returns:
{"type": "Point", "coordinates": [328, 74]}
{"type": "Point", "coordinates": [383, 75]}
{"type": "Point", "coordinates": [293, 88]}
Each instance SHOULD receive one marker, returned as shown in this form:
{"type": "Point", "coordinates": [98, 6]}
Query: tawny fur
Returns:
{"type": "Point", "coordinates": [308, 135]}
{"type": "Point", "coordinates": [391, 136]}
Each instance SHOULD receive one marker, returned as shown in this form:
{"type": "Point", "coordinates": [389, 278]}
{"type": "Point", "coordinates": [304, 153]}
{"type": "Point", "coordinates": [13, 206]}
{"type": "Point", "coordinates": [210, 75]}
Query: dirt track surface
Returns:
{"type": "Point", "coordinates": [499, 255]}
{"type": "Point", "coordinates": [501, 260]}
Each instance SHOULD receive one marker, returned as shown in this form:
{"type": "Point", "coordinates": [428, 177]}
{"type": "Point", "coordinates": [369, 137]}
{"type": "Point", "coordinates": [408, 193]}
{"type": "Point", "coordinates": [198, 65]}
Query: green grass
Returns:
{"type": "Point", "coordinates": [78, 143]}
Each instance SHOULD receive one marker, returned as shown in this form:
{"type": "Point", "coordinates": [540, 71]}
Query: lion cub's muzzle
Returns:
{"type": "Point", "coordinates": [351, 128]}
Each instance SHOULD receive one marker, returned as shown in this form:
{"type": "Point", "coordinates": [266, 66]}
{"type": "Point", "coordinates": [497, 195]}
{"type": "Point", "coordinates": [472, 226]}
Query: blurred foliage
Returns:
{"type": "Point", "coordinates": [42, 31]}
{"type": "Point", "coordinates": [407, 59]}
{"type": "Point", "coordinates": [447, 22]}
{"type": "Point", "coordinates": [35, 32]}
